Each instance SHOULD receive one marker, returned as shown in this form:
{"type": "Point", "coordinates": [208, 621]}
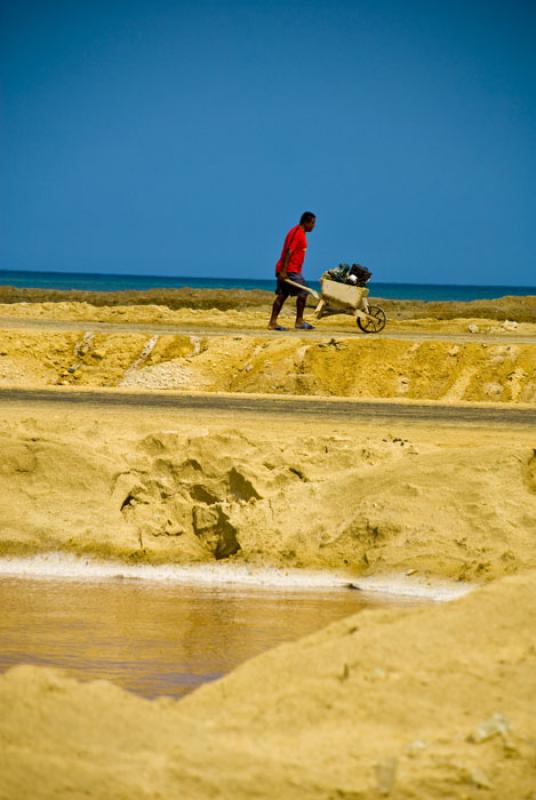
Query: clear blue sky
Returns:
{"type": "Point", "coordinates": [150, 136]}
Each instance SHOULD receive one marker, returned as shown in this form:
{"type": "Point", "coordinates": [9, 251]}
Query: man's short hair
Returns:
{"type": "Point", "coordinates": [307, 216]}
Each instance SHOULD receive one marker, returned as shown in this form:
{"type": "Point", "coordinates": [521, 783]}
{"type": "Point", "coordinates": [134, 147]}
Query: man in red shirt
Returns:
{"type": "Point", "coordinates": [290, 266]}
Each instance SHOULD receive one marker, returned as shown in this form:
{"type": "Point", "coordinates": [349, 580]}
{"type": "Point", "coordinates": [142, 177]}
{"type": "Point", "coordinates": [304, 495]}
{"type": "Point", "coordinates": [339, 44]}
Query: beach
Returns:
{"type": "Point", "coordinates": [406, 456]}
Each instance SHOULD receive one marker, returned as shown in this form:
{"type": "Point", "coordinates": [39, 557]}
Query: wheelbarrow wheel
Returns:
{"type": "Point", "coordinates": [375, 322]}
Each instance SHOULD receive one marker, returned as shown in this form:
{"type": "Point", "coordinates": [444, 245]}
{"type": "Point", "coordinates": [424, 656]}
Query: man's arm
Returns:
{"type": "Point", "coordinates": [283, 274]}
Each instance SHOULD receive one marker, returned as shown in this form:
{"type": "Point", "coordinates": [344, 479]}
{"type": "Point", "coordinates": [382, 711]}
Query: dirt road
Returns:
{"type": "Point", "coordinates": [207, 330]}
{"type": "Point", "coordinates": [335, 409]}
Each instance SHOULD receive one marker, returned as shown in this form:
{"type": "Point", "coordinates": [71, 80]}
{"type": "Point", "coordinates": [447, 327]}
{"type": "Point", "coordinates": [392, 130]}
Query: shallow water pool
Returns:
{"type": "Point", "coordinates": [156, 638]}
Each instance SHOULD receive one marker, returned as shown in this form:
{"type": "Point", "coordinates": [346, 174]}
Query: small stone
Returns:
{"type": "Point", "coordinates": [509, 325]}
{"type": "Point", "coordinates": [416, 748]}
{"type": "Point", "coordinates": [497, 725]}
{"type": "Point", "coordinates": [480, 779]}
{"type": "Point", "coordinates": [472, 328]}
{"type": "Point", "coordinates": [378, 674]}
{"type": "Point", "coordinates": [385, 772]}
{"type": "Point", "coordinates": [493, 389]}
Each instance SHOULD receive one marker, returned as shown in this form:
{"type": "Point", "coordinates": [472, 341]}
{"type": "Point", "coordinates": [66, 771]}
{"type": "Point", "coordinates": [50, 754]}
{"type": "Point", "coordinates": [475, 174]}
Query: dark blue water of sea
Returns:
{"type": "Point", "coordinates": [84, 281]}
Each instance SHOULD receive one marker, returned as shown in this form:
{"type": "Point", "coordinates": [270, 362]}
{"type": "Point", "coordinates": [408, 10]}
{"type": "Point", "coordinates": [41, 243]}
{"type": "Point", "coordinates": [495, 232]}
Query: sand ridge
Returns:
{"type": "Point", "coordinates": [332, 495]}
{"type": "Point", "coordinates": [510, 307]}
{"type": "Point", "coordinates": [331, 365]}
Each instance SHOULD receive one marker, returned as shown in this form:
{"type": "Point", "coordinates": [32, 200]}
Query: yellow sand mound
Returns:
{"type": "Point", "coordinates": [343, 366]}
{"type": "Point", "coordinates": [450, 502]}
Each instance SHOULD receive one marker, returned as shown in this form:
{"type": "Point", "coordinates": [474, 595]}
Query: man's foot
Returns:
{"type": "Point", "coordinates": [304, 326]}
{"type": "Point", "coordinates": [277, 328]}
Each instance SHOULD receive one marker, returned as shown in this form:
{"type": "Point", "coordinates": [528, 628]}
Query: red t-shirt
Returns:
{"type": "Point", "coordinates": [296, 242]}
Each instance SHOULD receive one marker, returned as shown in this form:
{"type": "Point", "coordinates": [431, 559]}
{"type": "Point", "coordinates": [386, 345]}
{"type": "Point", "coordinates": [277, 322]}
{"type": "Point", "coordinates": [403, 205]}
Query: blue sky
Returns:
{"type": "Point", "coordinates": [186, 137]}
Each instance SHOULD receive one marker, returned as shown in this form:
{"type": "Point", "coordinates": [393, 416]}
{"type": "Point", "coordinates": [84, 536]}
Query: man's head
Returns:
{"type": "Point", "coordinates": [307, 221]}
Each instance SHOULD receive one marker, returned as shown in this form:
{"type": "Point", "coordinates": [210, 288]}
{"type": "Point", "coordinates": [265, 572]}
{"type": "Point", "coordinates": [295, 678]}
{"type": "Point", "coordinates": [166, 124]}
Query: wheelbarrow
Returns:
{"type": "Point", "coordinates": [344, 298]}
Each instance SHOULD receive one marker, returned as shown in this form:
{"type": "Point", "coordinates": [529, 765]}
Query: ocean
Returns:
{"type": "Point", "coordinates": [98, 282]}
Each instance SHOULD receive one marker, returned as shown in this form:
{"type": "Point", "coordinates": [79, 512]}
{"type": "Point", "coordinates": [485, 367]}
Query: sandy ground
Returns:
{"type": "Point", "coordinates": [468, 360]}
{"type": "Point", "coordinates": [152, 486]}
{"type": "Point", "coordinates": [424, 703]}
{"type": "Point", "coordinates": [225, 310]}
{"type": "Point", "coordinates": [429, 703]}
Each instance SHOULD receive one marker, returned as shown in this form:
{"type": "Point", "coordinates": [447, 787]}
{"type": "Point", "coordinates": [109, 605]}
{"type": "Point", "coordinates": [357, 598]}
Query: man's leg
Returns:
{"type": "Point", "coordinates": [276, 308]}
{"type": "Point", "coordinates": [300, 308]}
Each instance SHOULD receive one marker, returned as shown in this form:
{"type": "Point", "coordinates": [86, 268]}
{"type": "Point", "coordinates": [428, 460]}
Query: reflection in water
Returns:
{"type": "Point", "coordinates": [154, 638]}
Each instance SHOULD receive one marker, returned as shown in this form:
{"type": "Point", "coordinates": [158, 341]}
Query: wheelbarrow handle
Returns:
{"type": "Point", "coordinates": [308, 289]}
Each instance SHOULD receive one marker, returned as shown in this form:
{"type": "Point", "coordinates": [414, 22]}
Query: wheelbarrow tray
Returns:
{"type": "Point", "coordinates": [343, 298]}
{"type": "Point", "coordinates": [343, 295]}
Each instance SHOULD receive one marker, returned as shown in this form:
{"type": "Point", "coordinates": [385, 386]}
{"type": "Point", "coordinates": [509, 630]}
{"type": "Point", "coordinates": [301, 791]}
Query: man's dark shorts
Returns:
{"type": "Point", "coordinates": [291, 291]}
